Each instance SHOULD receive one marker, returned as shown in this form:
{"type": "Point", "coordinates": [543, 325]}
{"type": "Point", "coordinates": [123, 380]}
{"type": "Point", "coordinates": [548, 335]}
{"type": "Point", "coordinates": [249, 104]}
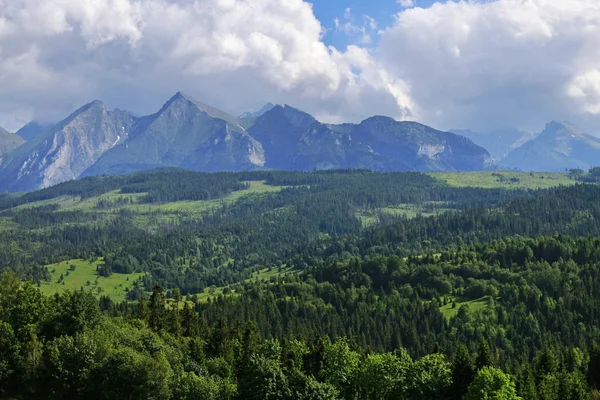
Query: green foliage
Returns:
{"type": "Point", "coordinates": [491, 384]}
{"type": "Point", "coordinates": [428, 378]}
{"type": "Point", "coordinates": [284, 294]}
{"type": "Point", "coordinates": [381, 374]}
{"type": "Point", "coordinates": [340, 366]}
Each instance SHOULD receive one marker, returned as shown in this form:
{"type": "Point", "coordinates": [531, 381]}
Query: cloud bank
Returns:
{"type": "Point", "coordinates": [488, 64]}
{"type": "Point", "coordinates": [236, 54]}
{"type": "Point", "coordinates": [472, 64]}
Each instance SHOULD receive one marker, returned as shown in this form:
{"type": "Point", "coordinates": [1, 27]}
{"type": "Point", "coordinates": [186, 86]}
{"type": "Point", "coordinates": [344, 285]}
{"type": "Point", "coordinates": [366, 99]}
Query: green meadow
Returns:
{"type": "Point", "coordinates": [449, 311]}
{"type": "Point", "coordinates": [77, 274]}
{"type": "Point", "coordinates": [504, 179]}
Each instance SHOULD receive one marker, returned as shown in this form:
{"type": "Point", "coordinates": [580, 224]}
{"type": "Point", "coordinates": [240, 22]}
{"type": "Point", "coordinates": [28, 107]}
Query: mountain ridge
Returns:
{"type": "Point", "coordinates": [65, 151]}
{"type": "Point", "coordinates": [559, 147]}
{"type": "Point", "coordinates": [186, 133]}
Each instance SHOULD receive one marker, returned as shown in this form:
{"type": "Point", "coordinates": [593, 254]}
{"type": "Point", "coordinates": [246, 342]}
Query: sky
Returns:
{"type": "Point", "coordinates": [477, 64]}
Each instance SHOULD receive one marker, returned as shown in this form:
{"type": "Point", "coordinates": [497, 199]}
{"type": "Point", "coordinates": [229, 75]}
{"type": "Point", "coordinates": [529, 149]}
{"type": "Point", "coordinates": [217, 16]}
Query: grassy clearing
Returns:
{"type": "Point", "coordinates": [7, 224]}
{"type": "Point", "coordinates": [84, 272]}
{"type": "Point", "coordinates": [265, 274]}
{"type": "Point", "coordinates": [171, 213]}
{"type": "Point", "coordinates": [147, 216]}
{"type": "Point", "coordinates": [474, 305]}
{"type": "Point", "coordinates": [372, 217]}
{"type": "Point", "coordinates": [503, 179]}
{"type": "Point", "coordinates": [74, 203]}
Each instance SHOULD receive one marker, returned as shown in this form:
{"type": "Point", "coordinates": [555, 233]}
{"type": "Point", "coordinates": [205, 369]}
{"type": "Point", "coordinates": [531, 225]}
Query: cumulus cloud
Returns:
{"type": "Point", "coordinates": [476, 64]}
{"type": "Point", "coordinates": [406, 3]}
{"type": "Point", "coordinates": [56, 55]}
{"type": "Point", "coordinates": [491, 64]}
{"type": "Point", "coordinates": [364, 31]}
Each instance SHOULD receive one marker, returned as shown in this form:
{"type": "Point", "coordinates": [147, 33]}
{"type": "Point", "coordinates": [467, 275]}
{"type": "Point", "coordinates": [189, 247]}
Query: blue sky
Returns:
{"type": "Point", "coordinates": [382, 11]}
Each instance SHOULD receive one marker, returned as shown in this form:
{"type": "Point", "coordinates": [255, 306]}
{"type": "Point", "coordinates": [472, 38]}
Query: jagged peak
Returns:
{"type": "Point", "coordinates": [554, 128]}
{"type": "Point", "coordinates": [181, 99]}
{"type": "Point", "coordinates": [93, 106]}
{"type": "Point", "coordinates": [255, 114]}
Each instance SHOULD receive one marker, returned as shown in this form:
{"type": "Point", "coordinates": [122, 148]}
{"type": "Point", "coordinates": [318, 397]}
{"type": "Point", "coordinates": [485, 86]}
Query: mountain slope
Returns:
{"type": "Point", "coordinates": [559, 147]}
{"type": "Point", "coordinates": [293, 139]}
{"type": "Point", "coordinates": [256, 114]}
{"type": "Point", "coordinates": [9, 141]}
{"type": "Point", "coordinates": [413, 146]}
{"type": "Point", "coordinates": [65, 151]}
{"type": "Point", "coordinates": [32, 130]}
{"type": "Point", "coordinates": [498, 143]}
{"type": "Point", "coordinates": [183, 133]}
{"type": "Point", "coordinates": [186, 133]}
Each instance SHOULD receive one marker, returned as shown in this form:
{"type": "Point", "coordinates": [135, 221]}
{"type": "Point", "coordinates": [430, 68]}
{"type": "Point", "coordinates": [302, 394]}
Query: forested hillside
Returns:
{"type": "Point", "coordinates": [288, 285]}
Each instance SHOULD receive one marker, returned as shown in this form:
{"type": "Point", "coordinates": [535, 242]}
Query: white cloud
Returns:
{"type": "Point", "coordinates": [363, 33]}
{"type": "Point", "coordinates": [488, 64]}
{"type": "Point", "coordinates": [406, 3]}
{"type": "Point", "coordinates": [56, 55]}
{"type": "Point", "coordinates": [477, 64]}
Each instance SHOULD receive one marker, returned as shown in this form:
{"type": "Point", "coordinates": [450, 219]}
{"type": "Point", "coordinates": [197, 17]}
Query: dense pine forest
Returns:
{"type": "Point", "coordinates": [285, 285]}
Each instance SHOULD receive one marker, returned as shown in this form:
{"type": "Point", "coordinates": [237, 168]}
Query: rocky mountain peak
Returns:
{"type": "Point", "coordinates": [561, 130]}
{"type": "Point", "coordinates": [260, 112]}
{"type": "Point", "coordinates": [187, 133]}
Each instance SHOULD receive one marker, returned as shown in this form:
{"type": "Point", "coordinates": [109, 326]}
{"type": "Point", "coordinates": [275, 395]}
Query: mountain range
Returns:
{"type": "Point", "coordinates": [560, 146]}
{"type": "Point", "coordinates": [186, 133]}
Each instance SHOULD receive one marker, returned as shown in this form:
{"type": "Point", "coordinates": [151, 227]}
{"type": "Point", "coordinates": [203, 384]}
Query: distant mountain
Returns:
{"type": "Point", "coordinates": [293, 139]}
{"type": "Point", "coordinates": [256, 114]}
{"type": "Point", "coordinates": [65, 151]}
{"type": "Point", "coordinates": [183, 133]}
{"type": "Point", "coordinates": [9, 141]}
{"type": "Point", "coordinates": [186, 133]}
{"type": "Point", "coordinates": [32, 130]}
{"type": "Point", "coordinates": [498, 143]}
{"type": "Point", "coordinates": [559, 147]}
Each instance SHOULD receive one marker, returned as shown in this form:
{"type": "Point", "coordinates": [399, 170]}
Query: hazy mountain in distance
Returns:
{"type": "Point", "coordinates": [498, 143]}
{"type": "Point", "coordinates": [183, 133]}
{"type": "Point", "coordinates": [559, 147]}
{"type": "Point", "coordinates": [33, 129]}
{"type": "Point", "coordinates": [66, 150]}
{"type": "Point", "coordinates": [9, 141]}
{"type": "Point", "coordinates": [258, 113]}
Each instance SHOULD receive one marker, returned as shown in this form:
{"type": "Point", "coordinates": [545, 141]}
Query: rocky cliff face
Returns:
{"type": "Point", "coordinates": [67, 150]}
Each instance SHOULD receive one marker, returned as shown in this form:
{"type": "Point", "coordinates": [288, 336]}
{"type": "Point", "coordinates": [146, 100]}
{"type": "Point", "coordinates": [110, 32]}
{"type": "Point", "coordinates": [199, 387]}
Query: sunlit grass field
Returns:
{"type": "Point", "coordinates": [504, 179]}
{"type": "Point", "coordinates": [85, 276]}
{"type": "Point", "coordinates": [449, 312]}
